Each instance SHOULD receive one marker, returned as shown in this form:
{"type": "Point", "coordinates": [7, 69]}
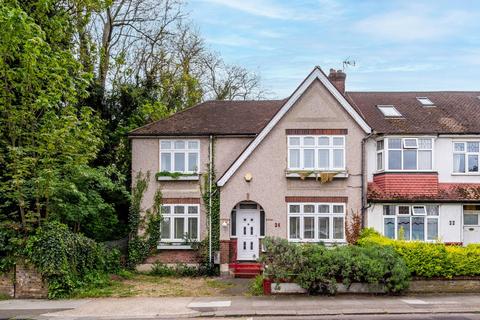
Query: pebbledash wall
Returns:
{"type": "Point", "coordinates": [269, 187]}
{"type": "Point", "coordinates": [146, 158]}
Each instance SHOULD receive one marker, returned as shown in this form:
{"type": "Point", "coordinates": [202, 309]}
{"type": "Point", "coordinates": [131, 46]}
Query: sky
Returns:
{"type": "Point", "coordinates": [399, 45]}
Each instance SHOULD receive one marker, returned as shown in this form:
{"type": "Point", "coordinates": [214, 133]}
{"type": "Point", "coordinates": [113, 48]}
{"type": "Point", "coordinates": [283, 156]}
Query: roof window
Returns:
{"type": "Point", "coordinates": [389, 111]}
{"type": "Point", "coordinates": [425, 102]}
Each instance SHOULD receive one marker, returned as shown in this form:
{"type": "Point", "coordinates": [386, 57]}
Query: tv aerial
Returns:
{"type": "Point", "coordinates": [348, 63]}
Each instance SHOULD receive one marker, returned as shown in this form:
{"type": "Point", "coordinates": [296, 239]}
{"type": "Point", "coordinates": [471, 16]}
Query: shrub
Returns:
{"type": "Point", "coordinates": [255, 287]}
{"type": "Point", "coordinates": [68, 260]}
{"type": "Point", "coordinates": [180, 270]}
{"type": "Point", "coordinates": [319, 269]}
{"type": "Point", "coordinates": [430, 259]}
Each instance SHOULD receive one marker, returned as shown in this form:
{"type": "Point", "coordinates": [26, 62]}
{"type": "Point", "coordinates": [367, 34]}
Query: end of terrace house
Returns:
{"type": "Point", "coordinates": [299, 168]}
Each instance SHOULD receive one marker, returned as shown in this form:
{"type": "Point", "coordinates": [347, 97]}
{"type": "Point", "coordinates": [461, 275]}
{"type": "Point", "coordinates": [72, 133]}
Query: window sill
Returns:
{"type": "Point", "coordinates": [466, 174]}
{"type": "Point", "coordinates": [174, 246]}
{"type": "Point", "coordinates": [296, 174]}
{"type": "Point", "coordinates": [179, 178]}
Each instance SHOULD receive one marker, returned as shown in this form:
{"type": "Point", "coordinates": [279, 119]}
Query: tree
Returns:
{"type": "Point", "coordinates": [48, 139]}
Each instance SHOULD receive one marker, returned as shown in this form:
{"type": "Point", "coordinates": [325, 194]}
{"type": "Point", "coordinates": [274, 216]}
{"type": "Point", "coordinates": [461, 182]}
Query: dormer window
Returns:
{"type": "Point", "coordinates": [425, 102]}
{"type": "Point", "coordinates": [389, 111]}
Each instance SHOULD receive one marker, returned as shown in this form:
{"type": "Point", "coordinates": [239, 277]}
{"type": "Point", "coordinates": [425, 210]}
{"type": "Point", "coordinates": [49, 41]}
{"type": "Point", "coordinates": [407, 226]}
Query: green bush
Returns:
{"type": "Point", "coordinates": [181, 270]}
{"type": "Point", "coordinates": [319, 269]}
{"type": "Point", "coordinates": [430, 260]}
{"type": "Point", "coordinates": [68, 260]}
{"type": "Point", "coordinates": [255, 287]}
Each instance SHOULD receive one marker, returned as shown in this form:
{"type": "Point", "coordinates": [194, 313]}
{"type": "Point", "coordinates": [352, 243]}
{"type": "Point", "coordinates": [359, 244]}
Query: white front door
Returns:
{"type": "Point", "coordinates": [248, 230]}
{"type": "Point", "coordinates": [471, 225]}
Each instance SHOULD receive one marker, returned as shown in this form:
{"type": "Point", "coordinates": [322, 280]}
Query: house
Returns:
{"type": "Point", "coordinates": [301, 167]}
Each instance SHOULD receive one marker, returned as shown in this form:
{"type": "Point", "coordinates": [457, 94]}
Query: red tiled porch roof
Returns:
{"type": "Point", "coordinates": [419, 187]}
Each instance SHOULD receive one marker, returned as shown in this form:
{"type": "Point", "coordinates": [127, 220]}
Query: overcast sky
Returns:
{"type": "Point", "coordinates": [397, 45]}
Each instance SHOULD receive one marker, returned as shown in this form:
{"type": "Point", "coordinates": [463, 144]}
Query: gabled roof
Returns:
{"type": "Point", "coordinates": [453, 112]}
{"type": "Point", "coordinates": [316, 74]}
{"type": "Point", "coordinates": [216, 118]}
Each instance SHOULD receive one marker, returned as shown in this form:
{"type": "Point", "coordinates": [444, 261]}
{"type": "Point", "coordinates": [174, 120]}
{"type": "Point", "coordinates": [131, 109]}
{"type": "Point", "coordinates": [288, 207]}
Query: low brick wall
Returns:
{"type": "Point", "coordinates": [7, 287]}
{"type": "Point", "coordinates": [471, 285]}
{"type": "Point", "coordinates": [29, 283]}
{"type": "Point", "coordinates": [175, 256]}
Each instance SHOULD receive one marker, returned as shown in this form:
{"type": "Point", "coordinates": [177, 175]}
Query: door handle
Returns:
{"type": "Point", "coordinates": [471, 229]}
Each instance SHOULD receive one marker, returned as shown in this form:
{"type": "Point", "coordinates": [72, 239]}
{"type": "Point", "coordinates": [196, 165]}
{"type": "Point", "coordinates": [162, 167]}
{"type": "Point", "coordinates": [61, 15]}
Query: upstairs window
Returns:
{"type": "Point", "coordinates": [425, 102]}
{"type": "Point", "coordinates": [466, 156]}
{"type": "Point", "coordinates": [180, 223]}
{"type": "Point", "coordinates": [316, 153]}
{"type": "Point", "coordinates": [389, 111]}
{"type": "Point", "coordinates": [179, 156]}
{"type": "Point", "coordinates": [380, 155]}
{"type": "Point", "coordinates": [409, 154]}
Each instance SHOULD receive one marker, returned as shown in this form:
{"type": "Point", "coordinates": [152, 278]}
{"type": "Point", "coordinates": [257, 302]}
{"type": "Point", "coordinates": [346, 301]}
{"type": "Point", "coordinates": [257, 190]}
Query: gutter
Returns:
{"type": "Point", "coordinates": [210, 148]}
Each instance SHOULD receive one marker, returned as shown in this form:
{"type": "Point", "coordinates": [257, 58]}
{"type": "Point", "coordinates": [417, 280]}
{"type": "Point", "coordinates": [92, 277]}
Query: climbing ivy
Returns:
{"type": "Point", "coordinates": [215, 210]}
{"type": "Point", "coordinates": [144, 231]}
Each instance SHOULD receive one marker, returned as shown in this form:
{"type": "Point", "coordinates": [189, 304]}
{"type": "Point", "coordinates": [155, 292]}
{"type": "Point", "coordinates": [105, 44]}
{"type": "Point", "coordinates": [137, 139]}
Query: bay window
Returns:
{"type": "Point", "coordinates": [179, 156]}
{"type": "Point", "coordinates": [405, 154]}
{"type": "Point", "coordinates": [314, 222]}
{"type": "Point", "coordinates": [411, 222]}
{"type": "Point", "coordinates": [316, 153]}
{"type": "Point", "coordinates": [180, 222]}
{"type": "Point", "coordinates": [466, 156]}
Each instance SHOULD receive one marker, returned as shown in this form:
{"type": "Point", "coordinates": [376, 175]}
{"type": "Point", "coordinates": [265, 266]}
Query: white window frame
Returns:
{"type": "Point", "coordinates": [411, 215]}
{"type": "Point", "coordinates": [316, 215]}
{"type": "Point", "coordinates": [384, 107]}
{"type": "Point", "coordinates": [425, 101]}
{"type": "Point", "coordinates": [380, 166]}
{"type": "Point", "coordinates": [316, 147]}
{"type": "Point", "coordinates": [466, 154]}
{"type": "Point", "coordinates": [172, 152]}
{"type": "Point", "coordinates": [185, 217]}
{"type": "Point", "coordinates": [386, 149]}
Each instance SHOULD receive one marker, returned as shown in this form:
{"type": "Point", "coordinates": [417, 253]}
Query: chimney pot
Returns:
{"type": "Point", "coordinates": [338, 79]}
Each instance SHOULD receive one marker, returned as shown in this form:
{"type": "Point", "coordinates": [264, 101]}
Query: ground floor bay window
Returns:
{"type": "Point", "coordinates": [316, 222]}
{"type": "Point", "coordinates": [180, 223]}
{"type": "Point", "coordinates": [411, 222]}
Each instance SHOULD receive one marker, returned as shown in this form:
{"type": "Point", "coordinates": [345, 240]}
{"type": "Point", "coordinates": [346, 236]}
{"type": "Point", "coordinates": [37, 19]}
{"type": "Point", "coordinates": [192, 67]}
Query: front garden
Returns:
{"type": "Point", "coordinates": [374, 260]}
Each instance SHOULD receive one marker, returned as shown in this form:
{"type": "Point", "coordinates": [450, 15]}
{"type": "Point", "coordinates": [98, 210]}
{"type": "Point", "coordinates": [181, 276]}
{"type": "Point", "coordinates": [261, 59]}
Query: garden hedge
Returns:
{"type": "Point", "coordinates": [429, 260]}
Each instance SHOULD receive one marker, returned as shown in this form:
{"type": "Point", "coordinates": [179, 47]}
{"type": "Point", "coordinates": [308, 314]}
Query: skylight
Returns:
{"type": "Point", "coordinates": [389, 111]}
{"type": "Point", "coordinates": [425, 102]}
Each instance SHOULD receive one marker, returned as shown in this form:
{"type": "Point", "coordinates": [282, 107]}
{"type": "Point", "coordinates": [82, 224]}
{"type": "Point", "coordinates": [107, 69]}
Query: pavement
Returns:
{"type": "Point", "coordinates": [306, 307]}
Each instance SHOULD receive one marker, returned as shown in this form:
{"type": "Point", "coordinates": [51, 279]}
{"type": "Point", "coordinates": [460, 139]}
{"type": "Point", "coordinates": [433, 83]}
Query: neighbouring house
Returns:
{"type": "Point", "coordinates": [301, 167]}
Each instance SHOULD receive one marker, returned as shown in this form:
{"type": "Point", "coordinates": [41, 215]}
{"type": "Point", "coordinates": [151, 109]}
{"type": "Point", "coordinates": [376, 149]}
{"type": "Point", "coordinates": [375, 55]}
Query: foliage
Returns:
{"type": "Point", "coordinates": [144, 230]}
{"type": "Point", "coordinates": [256, 286]}
{"type": "Point", "coordinates": [213, 213]}
{"type": "Point", "coordinates": [68, 260]}
{"type": "Point", "coordinates": [174, 175]}
{"type": "Point", "coordinates": [353, 227]}
{"type": "Point", "coordinates": [318, 268]}
{"type": "Point", "coordinates": [179, 270]}
{"type": "Point", "coordinates": [430, 259]}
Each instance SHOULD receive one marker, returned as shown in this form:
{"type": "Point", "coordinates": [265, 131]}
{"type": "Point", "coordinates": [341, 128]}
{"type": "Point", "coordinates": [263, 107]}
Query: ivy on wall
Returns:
{"type": "Point", "coordinates": [214, 213]}
{"type": "Point", "coordinates": [144, 231]}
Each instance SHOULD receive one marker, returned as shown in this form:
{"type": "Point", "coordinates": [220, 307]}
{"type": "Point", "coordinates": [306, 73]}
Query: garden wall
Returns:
{"type": "Point", "coordinates": [24, 283]}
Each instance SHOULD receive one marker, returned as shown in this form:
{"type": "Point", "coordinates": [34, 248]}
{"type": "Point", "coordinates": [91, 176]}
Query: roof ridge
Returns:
{"type": "Point", "coordinates": [422, 91]}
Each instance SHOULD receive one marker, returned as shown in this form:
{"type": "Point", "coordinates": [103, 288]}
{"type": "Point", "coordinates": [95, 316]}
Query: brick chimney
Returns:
{"type": "Point", "coordinates": [337, 77]}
